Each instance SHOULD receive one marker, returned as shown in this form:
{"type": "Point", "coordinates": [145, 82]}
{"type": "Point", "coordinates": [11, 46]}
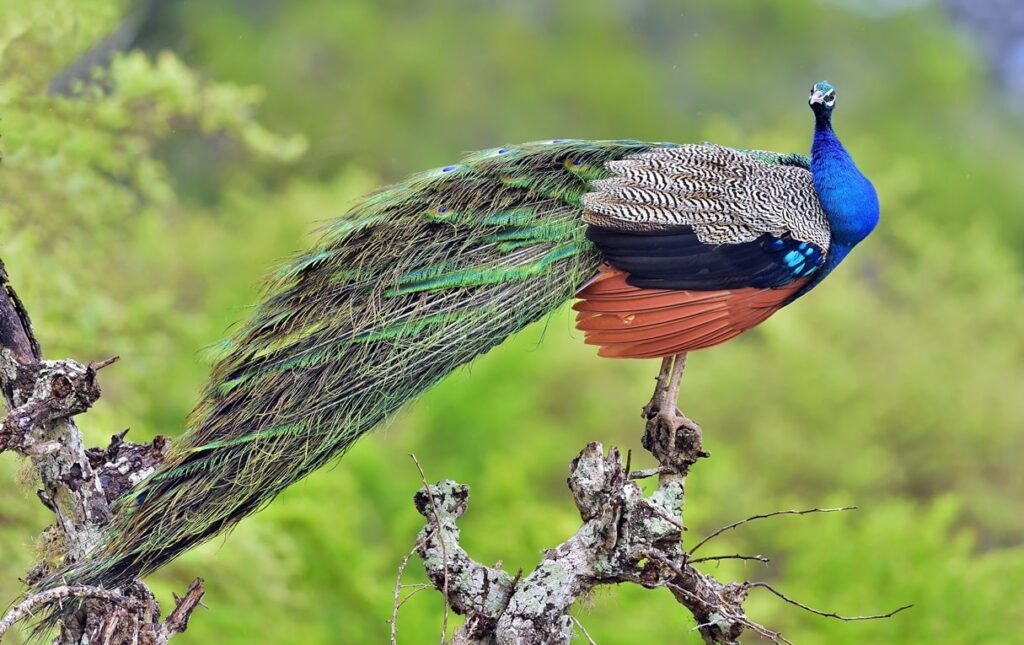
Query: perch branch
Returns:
{"type": "Point", "coordinates": [625, 538]}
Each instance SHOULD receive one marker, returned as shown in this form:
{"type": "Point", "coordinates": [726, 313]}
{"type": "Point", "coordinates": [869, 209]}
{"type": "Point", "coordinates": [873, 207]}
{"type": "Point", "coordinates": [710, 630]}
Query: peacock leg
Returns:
{"type": "Point", "coordinates": [672, 393]}
{"type": "Point", "coordinates": [669, 414]}
{"type": "Point", "coordinates": [658, 400]}
{"type": "Point", "coordinates": [666, 425]}
{"type": "Point", "coordinates": [663, 403]}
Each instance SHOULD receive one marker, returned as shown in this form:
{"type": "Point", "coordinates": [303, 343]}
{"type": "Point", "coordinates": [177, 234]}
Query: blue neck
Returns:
{"type": "Point", "coordinates": [847, 197]}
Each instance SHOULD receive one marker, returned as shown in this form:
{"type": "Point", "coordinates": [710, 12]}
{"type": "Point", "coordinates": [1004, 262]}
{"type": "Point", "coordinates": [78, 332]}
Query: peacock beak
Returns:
{"type": "Point", "coordinates": [816, 97]}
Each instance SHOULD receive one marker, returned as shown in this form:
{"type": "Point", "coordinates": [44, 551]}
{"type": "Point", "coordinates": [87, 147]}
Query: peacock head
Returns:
{"type": "Point", "coordinates": [823, 98]}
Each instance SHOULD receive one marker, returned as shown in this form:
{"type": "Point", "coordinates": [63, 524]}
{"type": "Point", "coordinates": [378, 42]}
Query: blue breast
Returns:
{"type": "Point", "coordinates": [847, 197]}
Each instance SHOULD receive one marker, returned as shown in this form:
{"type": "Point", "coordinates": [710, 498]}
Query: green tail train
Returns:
{"type": "Point", "coordinates": [414, 281]}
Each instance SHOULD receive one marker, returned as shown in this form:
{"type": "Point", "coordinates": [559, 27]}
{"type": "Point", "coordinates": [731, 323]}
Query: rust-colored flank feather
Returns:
{"type": "Point", "coordinates": [633, 322]}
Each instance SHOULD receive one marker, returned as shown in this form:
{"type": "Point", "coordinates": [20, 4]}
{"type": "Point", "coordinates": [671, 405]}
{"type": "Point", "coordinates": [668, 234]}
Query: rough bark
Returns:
{"type": "Point", "coordinates": [77, 484]}
{"type": "Point", "coordinates": [626, 537]}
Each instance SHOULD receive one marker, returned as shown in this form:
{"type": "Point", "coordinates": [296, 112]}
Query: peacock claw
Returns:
{"type": "Point", "coordinates": [673, 438]}
{"type": "Point", "coordinates": [654, 406]}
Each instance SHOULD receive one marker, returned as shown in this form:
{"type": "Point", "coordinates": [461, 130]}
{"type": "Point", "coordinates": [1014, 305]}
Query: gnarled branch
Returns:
{"type": "Point", "coordinates": [625, 537]}
{"type": "Point", "coordinates": [78, 484]}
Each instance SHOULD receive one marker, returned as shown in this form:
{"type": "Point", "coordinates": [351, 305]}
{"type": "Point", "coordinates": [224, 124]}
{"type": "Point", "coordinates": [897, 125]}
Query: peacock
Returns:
{"type": "Point", "coordinates": [667, 248]}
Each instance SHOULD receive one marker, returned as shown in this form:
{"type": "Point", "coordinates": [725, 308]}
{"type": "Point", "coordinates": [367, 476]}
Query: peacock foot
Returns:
{"type": "Point", "coordinates": [673, 438]}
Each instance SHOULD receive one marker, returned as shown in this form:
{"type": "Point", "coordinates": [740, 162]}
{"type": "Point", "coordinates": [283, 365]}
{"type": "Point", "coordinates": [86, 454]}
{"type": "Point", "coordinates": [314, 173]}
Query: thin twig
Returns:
{"type": "Point", "coordinates": [96, 366]}
{"type": "Point", "coordinates": [764, 632]}
{"type": "Point", "coordinates": [444, 551]}
{"type": "Point", "coordinates": [665, 516]}
{"type": "Point", "coordinates": [662, 560]}
{"type": "Point", "coordinates": [649, 472]}
{"type": "Point", "coordinates": [177, 620]}
{"type": "Point", "coordinates": [412, 593]}
{"type": "Point", "coordinates": [24, 609]}
{"type": "Point", "coordinates": [583, 630]}
{"type": "Point", "coordinates": [397, 596]}
{"type": "Point", "coordinates": [721, 608]}
{"type": "Point", "coordinates": [398, 591]}
{"type": "Point", "coordinates": [734, 556]}
{"type": "Point", "coordinates": [728, 527]}
{"type": "Point", "coordinates": [826, 614]}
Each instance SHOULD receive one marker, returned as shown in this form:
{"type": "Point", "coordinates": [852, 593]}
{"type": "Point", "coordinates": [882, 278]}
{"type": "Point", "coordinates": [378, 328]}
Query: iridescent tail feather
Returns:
{"type": "Point", "coordinates": [416, 280]}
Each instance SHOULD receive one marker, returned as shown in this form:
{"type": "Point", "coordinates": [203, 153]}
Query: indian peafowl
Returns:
{"type": "Point", "coordinates": [669, 248]}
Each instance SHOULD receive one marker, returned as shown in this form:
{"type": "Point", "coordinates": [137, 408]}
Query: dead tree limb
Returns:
{"type": "Point", "coordinates": [77, 484]}
{"type": "Point", "coordinates": [626, 537]}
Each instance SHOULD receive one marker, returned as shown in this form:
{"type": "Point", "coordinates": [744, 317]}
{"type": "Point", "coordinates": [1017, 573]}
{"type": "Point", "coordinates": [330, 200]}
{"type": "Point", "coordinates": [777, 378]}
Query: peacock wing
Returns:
{"type": "Point", "coordinates": [708, 217]}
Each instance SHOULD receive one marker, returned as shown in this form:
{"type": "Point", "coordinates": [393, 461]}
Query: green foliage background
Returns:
{"type": "Point", "coordinates": [137, 216]}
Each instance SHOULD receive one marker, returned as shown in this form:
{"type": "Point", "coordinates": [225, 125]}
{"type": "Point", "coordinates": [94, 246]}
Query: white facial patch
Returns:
{"type": "Point", "coordinates": [828, 99]}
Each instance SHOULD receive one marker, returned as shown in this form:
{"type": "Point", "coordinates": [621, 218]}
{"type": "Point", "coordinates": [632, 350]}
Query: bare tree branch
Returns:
{"type": "Point", "coordinates": [444, 552]}
{"type": "Point", "coordinates": [734, 556]}
{"type": "Point", "coordinates": [583, 630]}
{"type": "Point", "coordinates": [826, 614]}
{"type": "Point", "coordinates": [398, 602]}
{"type": "Point", "coordinates": [42, 396]}
{"type": "Point", "coordinates": [24, 608]}
{"type": "Point", "coordinates": [177, 620]}
{"type": "Point", "coordinates": [625, 538]}
{"type": "Point", "coordinates": [78, 485]}
{"type": "Point", "coordinates": [729, 527]}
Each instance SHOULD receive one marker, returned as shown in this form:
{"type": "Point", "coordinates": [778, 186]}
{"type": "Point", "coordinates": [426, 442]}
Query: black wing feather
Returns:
{"type": "Point", "coordinates": [674, 258]}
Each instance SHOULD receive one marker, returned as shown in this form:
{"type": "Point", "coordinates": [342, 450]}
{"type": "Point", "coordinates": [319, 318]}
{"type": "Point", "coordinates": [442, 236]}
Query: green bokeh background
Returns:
{"type": "Point", "coordinates": [138, 215]}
